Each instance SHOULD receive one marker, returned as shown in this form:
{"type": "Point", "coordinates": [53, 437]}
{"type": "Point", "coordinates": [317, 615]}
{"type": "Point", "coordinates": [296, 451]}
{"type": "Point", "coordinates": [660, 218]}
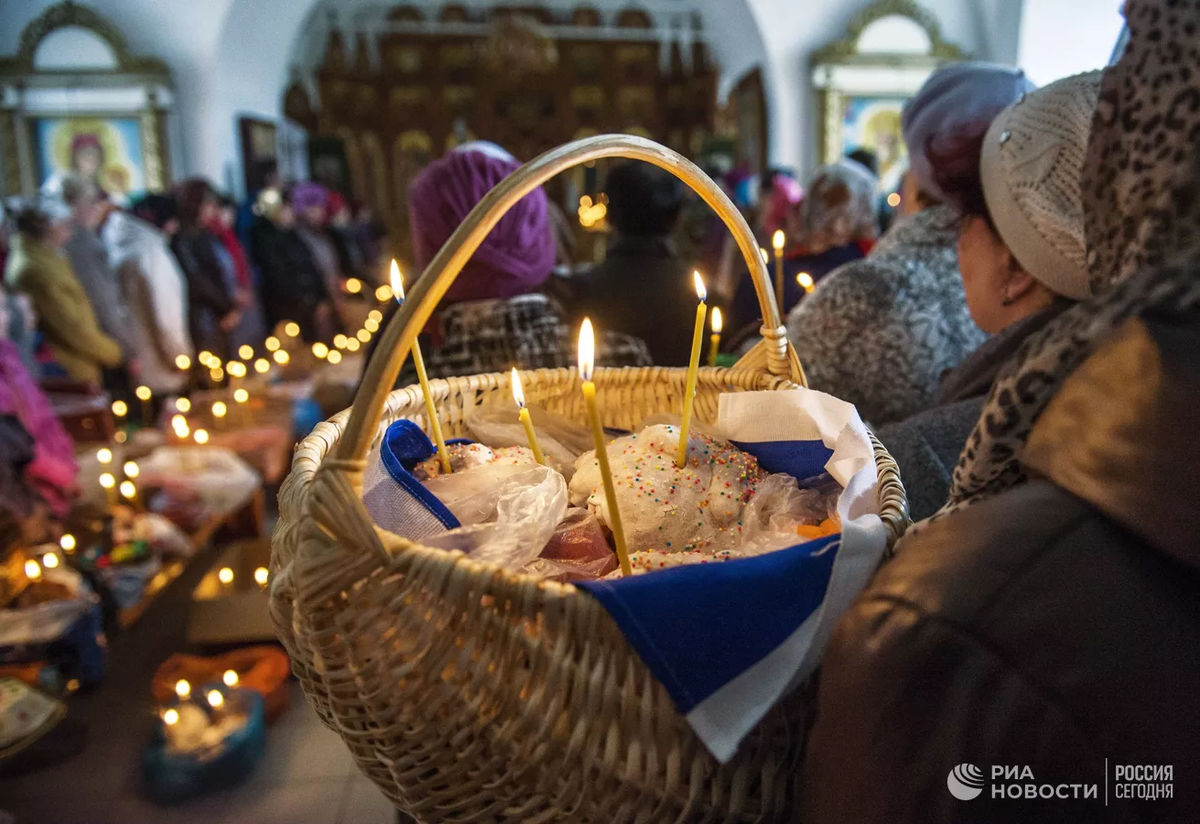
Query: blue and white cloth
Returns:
{"type": "Point", "coordinates": [729, 640]}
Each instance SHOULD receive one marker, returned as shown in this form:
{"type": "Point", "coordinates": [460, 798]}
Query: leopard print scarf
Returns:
{"type": "Point", "coordinates": [1142, 208]}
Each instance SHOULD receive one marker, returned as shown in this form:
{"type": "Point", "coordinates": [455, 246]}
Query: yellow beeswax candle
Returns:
{"type": "Point", "coordinates": [435, 426]}
{"type": "Point", "coordinates": [587, 363]}
{"type": "Point", "coordinates": [530, 435]}
{"type": "Point", "coordinates": [689, 393]}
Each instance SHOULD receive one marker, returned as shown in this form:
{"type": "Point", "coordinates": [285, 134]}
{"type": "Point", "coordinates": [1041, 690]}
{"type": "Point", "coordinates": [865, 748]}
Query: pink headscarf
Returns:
{"type": "Point", "coordinates": [785, 194]}
{"type": "Point", "coordinates": [518, 255]}
{"type": "Point", "coordinates": [54, 470]}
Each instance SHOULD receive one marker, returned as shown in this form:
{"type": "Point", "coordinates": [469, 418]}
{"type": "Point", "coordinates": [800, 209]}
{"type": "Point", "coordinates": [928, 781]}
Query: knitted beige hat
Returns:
{"type": "Point", "coordinates": [1031, 168]}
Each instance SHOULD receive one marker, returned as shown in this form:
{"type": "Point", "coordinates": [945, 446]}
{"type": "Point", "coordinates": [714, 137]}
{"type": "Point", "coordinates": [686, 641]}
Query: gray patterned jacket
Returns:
{"type": "Point", "coordinates": [880, 332]}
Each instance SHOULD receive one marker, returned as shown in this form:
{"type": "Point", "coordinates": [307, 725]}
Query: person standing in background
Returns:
{"type": "Point", "coordinates": [239, 276]}
{"type": "Point", "coordinates": [38, 268]}
{"type": "Point", "coordinates": [350, 257]}
{"type": "Point", "coordinates": [642, 288]}
{"type": "Point", "coordinates": [153, 288]}
{"type": "Point", "coordinates": [89, 262]}
{"type": "Point", "coordinates": [212, 310]}
{"type": "Point", "coordinates": [292, 286]}
{"type": "Point", "coordinates": [879, 333]}
{"type": "Point", "coordinates": [310, 203]}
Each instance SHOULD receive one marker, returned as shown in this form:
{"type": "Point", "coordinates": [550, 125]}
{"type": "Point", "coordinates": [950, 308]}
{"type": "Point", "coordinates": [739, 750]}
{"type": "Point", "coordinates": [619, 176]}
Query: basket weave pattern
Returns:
{"type": "Point", "coordinates": [467, 693]}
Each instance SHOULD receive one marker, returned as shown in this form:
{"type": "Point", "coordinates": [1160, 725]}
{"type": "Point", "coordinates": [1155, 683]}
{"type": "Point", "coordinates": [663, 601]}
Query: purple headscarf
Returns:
{"type": "Point", "coordinates": [307, 195]}
{"type": "Point", "coordinates": [516, 257]}
{"type": "Point", "coordinates": [956, 101]}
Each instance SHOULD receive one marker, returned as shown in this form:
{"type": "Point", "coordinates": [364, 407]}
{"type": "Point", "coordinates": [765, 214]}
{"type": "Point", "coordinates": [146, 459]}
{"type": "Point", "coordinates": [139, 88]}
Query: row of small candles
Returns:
{"type": "Point", "coordinates": [214, 697]}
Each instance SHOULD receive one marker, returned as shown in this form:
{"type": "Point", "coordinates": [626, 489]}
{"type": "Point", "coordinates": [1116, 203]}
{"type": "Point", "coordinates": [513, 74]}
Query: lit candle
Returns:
{"type": "Point", "coordinates": [129, 491]}
{"type": "Point", "coordinates": [291, 329]}
{"type": "Point", "coordinates": [806, 282]}
{"type": "Point", "coordinates": [339, 341]}
{"type": "Point", "coordinates": [779, 240]}
{"type": "Point", "coordinates": [526, 421]}
{"type": "Point", "coordinates": [170, 716]}
{"type": "Point", "coordinates": [144, 394]}
{"type": "Point", "coordinates": [183, 689]}
{"type": "Point", "coordinates": [261, 576]}
{"type": "Point", "coordinates": [363, 335]}
{"type": "Point", "coordinates": [435, 426]}
{"type": "Point", "coordinates": [384, 293]}
{"type": "Point", "coordinates": [262, 366]}
{"type": "Point", "coordinates": [320, 351]}
{"type": "Point", "coordinates": [33, 570]}
{"type": "Point", "coordinates": [587, 364]}
{"type": "Point", "coordinates": [104, 455]}
{"type": "Point", "coordinates": [245, 351]}
{"type": "Point", "coordinates": [120, 409]}
{"type": "Point", "coordinates": [714, 340]}
{"type": "Point", "coordinates": [225, 575]}
{"type": "Point", "coordinates": [335, 357]}
{"type": "Point", "coordinates": [281, 357]}
{"type": "Point", "coordinates": [230, 678]}
{"type": "Point", "coordinates": [272, 344]}
{"type": "Point", "coordinates": [201, 437]}
{"type": "Point", "coordinates": [50, 560]}
{"type": "Point", "coordinates": [353, 286]}
{"type": "Point", "coordinates": [689, 393]}
{"type": "Point", "coordinates": [132, 470]}
{"type": "Point", "coordinates": [183, 363]}
{"type": "Point", "coordinates": [219, 411]}
{"type": "Point", "coordinates": [109, 482]}
{"type": "Point", "coordinates": [67, 542]}
{"type": "Point", "coordinates": [183, 405]}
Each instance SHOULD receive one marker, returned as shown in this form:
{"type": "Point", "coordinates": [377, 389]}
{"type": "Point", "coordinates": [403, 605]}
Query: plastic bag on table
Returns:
{"type": "Point", "coordinates": [222, 480]}
{"type": "Point", "coordinates": [781, 510]}
{"type": "Point", "coordinates": [507, 512]}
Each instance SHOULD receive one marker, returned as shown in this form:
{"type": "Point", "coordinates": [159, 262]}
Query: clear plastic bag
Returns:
{"type": "Point", "coordinates": [508, 512]}
{"type": "Point", "coordinates": [561, 440]}
{"type": "Point", "coordinates": [577, 551]}
{"type": "Point", "coordinates": [779, 512]}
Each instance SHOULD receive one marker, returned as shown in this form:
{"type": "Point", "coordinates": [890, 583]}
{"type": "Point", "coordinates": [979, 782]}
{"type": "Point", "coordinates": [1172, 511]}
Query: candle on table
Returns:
{"type": "Point", "coordinates": [120, 409]}
{"type": "Point", "coordinates": [714, 340]}
{"type": "Point", "coordinates": [144, 394]}
{"type": "Point", "coordinates": [779, 240]}
{"type": "Point", "coordinates": [435, 426]}
{"type": "Point", "coordinates": [526, 421]}
{"type": "Point", "coordinates": [806, 282]}
{"type": "Point", "coordinates": [219, 411]}
{"type": "Point", "coordinates": [587, 363]}
{"type": "Point", "coordinates": [689, 393]}
{"type": "Point", "coordinates": [109, 482]}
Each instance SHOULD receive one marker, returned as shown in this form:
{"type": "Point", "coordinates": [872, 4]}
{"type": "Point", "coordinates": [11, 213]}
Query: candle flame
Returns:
{"type": "Point", "coordinates": [701, 290]}
{"type": "Point", "coordinates": [717, 323]}
{"type": "Point", "coordinates": [587, 350]}
{"type": "Point", "coordinates": [120, 409]}
{"type": "Point", "coordinates": [805, 280]}
{"type": "Point", "coordinates": [50, 560]}
{"type": "Point", "coordinates": [778, 240]}
{"type": "Point", "coordinates": [128, 490]}
{"type": "Point", "coordinates": [241, 395]}
{"type": "Point", "coordinates": [397, 282]}
{"type": "Point", "coordinates": [183, 362]}
{"type": "Point", "coordinates": [517, 390]}
{"type": "Point", "coordinates": [171, 717]}
{"type": "Point", "coordinates": [67, 542]}
{"type": "Point", "coordinates": [143, 393]}
{"type": "Point", "coordinates": [262, 366]}
{"type": "Point", "coordinates": [219, 409]}
{"type": "Point", "coordinates": [230, 677]}
{"type": "Point", "coordinates": [261, 576]}
{"type": "Point", "coordinates": [245, 351]}
{"type": "Point", "coordinates": [201, 437]}
{"type": "Point", "coordinates": [183, 405]}
{"type": "Point", "coordinates": [107, 480]}
{"type": "Point", "coordinates": [33, 570]}
{"type": "Point", "coordinates": [215, 699]}
{"type": "Point", "coordinates": [182, 688]}
{"type": "Point", "coordinates": [104, 455]}
{"type": "Point", "coordinates": [132, 470]}
{"type": "Point", "coordinates": [225, 575]}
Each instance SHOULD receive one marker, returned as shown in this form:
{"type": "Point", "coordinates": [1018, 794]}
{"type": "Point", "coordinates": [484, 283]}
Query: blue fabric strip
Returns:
{"type": "Point", "coordinates": [699, 627]}
{"type": "Point", "coordinates": [800, 459]}
{"type": "Point", "coordinates": [404, 446]}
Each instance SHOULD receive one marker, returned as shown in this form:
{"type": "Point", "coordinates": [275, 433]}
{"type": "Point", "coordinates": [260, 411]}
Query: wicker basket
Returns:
{"type": "Point", "coordinates": [467, 692]}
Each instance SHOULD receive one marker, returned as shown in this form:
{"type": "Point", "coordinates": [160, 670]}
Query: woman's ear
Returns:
{"type": "Point", "coordinates": [1017, 283]}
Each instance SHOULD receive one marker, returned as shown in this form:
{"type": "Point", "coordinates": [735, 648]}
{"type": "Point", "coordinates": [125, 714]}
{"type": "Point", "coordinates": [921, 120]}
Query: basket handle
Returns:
{"type": "Point", "coordinates": [774, 353]}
